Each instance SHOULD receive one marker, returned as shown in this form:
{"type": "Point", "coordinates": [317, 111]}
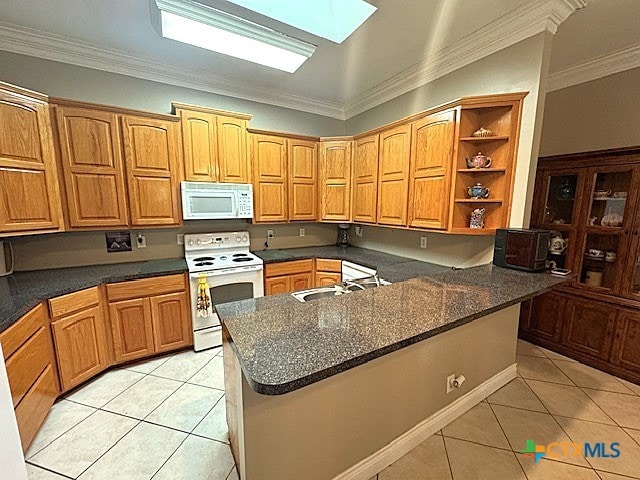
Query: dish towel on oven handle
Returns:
{"type": "Point", "coordinates": [203, 300]}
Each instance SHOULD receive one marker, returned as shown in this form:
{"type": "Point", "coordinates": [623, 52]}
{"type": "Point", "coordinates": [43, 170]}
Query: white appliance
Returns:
{"type": "Point", "coordinates": [232, 273]}
{"type": "Point", "coordinates": [214, 201]}
{"type": "Point", "coordinates": [353, 271]}
{"type": "Point", "coordinates": [11, 457]}
{"type": "Point", "coordinates": [6, 258]}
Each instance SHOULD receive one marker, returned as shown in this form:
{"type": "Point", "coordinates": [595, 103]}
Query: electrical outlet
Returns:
{"type": "Point", "coordinates": [269, 233]}
{"type": "Point", "coordinates": [358, 231]}
{"type": "Point", "coordinates": [141, 241]}
{"type": "Point", "coordinates": [450, 380]}
{"type": "Point", "coordinates": [302, 232]}
{"type": "Point", "coordinates": [180, 238]}
{"type": "Point", "coordinates": [423, 242]}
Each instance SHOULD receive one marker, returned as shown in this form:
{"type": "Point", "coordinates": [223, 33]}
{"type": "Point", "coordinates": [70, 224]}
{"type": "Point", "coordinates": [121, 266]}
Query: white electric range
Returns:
{"type": "Point", "coordinates": [232, 273]}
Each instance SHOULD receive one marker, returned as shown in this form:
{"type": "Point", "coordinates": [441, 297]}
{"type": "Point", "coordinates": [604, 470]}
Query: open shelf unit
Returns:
{"type": "Point", "coordinates": [502, 118]}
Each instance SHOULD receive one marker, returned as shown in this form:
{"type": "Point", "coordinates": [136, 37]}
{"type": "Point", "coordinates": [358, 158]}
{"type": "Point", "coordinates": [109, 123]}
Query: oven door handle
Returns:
{"type": "Point", "coordinates": [215, 273]}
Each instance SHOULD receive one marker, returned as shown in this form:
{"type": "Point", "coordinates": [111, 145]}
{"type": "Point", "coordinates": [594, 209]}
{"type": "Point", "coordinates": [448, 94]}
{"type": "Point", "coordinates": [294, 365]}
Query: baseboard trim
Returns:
{"type": "Point", "coordinates": [406, 442]}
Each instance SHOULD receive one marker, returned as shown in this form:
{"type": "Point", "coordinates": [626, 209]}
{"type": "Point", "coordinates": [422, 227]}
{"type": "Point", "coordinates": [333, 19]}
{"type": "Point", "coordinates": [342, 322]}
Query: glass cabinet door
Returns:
{"type": "Point", "coordinates": [601, 265]}
{"type": "Point", "coordinates": [560, 199]}
{"type": "Point", "coordinates": [608, 195]}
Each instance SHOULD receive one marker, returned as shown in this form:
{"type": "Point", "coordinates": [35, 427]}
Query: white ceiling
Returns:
{"type": "Point", "coordinates": [393, 40]}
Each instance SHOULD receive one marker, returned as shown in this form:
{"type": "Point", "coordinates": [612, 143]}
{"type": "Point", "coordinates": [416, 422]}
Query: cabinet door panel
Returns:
{"type": "Point", "coordinates": [35, 406]}
{"type": "Point", "coordinates": [91, 157]}
{"type": "Point", "coordinates": [588, 327]}
{"type": "Point", "coordinates": [393, 176]}
{"type": "Point", "coordinates": [626, 346]}
{"type": "Point", "coordinates": [232, 150]}
{"type": "Point", "coordinates": [199, 144]}
{"type": "Point", "coordinates": [335, 180]}
{"type": "Point", "coordinates": [171, 321]}
{"type": "Point", "coordinates": [26, 365]}
{"type": "Point", "coordinates": [301, 281]}
{"type": "Point", "coordinates": [430, 172]}
{"type": "Point", "coordinates": [29, 194]}
{"type": "Point", "coordinates": [276, 285]}
{"type": "Point", "coordinates": [269, 158]}
{"type": "Point", "coordinates": [303, 181]}
{"type": "Point", "coordinates": [365, 180]}
{"type": "Point", "coordinates": [547, 314]}
{"type": "Point", "coordinates": [132, 329]}
{"type": "Point", "coordinates": [81, 346]}
{"type": "Point", "coordinates": [324, 279]}
{"type": "Point", "coordinates": [153, 159]}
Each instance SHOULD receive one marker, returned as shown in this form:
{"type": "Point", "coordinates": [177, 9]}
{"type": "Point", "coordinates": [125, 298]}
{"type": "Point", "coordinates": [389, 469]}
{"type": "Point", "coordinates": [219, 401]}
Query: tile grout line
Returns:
{"type": "Point", "coordinates": [49, 470]}
{"type": "Point", "coordinates": [210, 410]}
{"type": "Point", "coordinates": [446, 454]}
{"type": "Point", "coordinates": [169, 457]}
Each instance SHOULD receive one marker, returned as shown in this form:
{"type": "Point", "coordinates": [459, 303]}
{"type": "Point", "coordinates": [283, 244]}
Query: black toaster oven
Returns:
{"type": "Point", "coordinates": [521, 248]}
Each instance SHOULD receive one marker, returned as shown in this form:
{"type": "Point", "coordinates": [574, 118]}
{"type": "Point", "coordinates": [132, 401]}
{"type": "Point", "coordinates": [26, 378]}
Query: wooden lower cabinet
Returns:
{"type": "Point", "coordinates": [132, 329]}
{"type": "Point", "coordinates": [149, 316]}
{"type": "Point", "coordinates": [626, 343]}
{"type": "Point", "coordinates": [81, 346]}
{"type": "Point", "coordinates": [276, 285]}
{"type": "Point", "coordinates": [286, 277]}
{"type": "Point", "coordinates": [168, 314]}
{"type": "Point", "coordinates": [301, 281]}
{"type": "Point", "coordinates": [588, 327]}
{"type": "Point", "coordinates": [546, 315]}
{"type": "Point", "coordinates": [324, 279]}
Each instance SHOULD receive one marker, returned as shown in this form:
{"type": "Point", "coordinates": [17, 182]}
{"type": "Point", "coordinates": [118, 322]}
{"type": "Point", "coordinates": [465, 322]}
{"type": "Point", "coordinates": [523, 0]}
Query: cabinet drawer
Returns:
{"type": "Point", "coordinates": [73, 302]}
{"type": "Point", "coordinates": [22, 330]}
{"type": "Point", "coordinates": [288, 268]}
{"type": "Point", "coordinates": [27, 363]}
{"type": "Point", "coordinates": [327, 265]}
{"type": "Point", "coordinates": [145, 287]}
{"type": "Point", "coordinates": [35, 406]}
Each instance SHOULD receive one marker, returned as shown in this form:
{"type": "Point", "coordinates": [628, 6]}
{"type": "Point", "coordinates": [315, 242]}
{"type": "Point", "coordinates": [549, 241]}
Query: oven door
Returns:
{"type": "Point", "coordinates": [206, 205]}
{"type": "Point", "coordinates": [226, 286]}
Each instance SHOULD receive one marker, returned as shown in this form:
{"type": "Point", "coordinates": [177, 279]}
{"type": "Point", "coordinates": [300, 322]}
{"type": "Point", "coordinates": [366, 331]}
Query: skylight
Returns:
{"type": "Point", "coordinates": [334, 20]}
{"type": "Point", "coordinates": [196, 24]}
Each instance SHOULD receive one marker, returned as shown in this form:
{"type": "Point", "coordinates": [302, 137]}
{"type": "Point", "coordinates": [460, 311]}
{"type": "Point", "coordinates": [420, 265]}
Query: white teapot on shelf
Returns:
{"type": "Point", "coordinates": [558, 245]}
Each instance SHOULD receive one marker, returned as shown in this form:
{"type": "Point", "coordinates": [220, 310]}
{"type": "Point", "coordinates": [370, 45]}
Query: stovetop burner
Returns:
{"type": "Point", "coordinates": [242, 259]}
{"type": "Point", "coordinates": [204, 259]}
{"type": "Point", "coordinates": [240, 255]}
{"type": "Point", "coordinates": [203, 264]}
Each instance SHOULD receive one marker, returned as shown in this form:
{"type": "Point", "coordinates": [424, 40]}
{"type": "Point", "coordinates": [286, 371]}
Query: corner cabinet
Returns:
{"type": "Point", "coordinates": [153, 161]}
{"type": "Point", "coordinates": [93, 167]}
{"type": "Point", "coordinates": [335, 180]}
{"type": "Point", "coordinates": [29, 193]}
{"type": "Point", "coordinates": [590, 202]}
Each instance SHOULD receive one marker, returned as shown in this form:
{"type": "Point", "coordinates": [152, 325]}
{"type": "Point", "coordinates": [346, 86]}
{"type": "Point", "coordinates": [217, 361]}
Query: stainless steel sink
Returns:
{"type": "Point", "coordinates": [340, 289]}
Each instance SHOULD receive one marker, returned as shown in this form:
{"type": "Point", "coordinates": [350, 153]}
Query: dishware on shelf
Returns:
{"type": "Point", "coordinates": [591, 221]}
{"type": "Point", "coordinates": [478, 191]}
{"type": "Point", "coordinates": [478, 161]}
{"type": "Point", "coordinates": [557, 245]}
{"type": "Point", "coordinates": [559, 221]}
{"type": "Point", "coordinates": [620, 194]}
{"type": "Point", "coordinates": [612, 220]}
{"type": "Point", "coordinates": [477, 218]}
{"type": "Point", "coordinates": [593, 278]}
{"type": "Point", "coordinates": [595, 253]}
{"type": "Point", "coordinates": [610, 257]}
{"type": "Point", "coordinates": [566, 191]}
{"type": "Point", "coordinates": [482, 132]}
{"type": "Point", "coordinates": [601, 193]}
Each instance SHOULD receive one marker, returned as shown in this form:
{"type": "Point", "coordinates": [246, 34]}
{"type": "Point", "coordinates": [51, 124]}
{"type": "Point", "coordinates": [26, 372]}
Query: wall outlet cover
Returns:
{"type": "Point", "coordinates": [302, 232]}
{"type": "Point", "coordinates": [269, 233]}
{"type": "Point", "coordinates": [423, 242]}
{"type": "Point", "coordinates": [450, 380]}
{"type": "Point", "coordinates": [358, 231]}
{"type": "Point", "coordinates": [180, 238]}
{"type": "Point", "coordinates": [141, 241]}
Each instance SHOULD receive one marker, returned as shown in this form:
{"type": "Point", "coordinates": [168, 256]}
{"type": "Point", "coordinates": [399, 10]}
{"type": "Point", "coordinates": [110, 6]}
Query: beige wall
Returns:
{"type": "Point", "coordinates": [521, 67]}
{"type": "Point", "coordinates": [79, 83]}
{"type": "Point", "coordinates": [89, 248]}
{"type": "Point", "coordinates": [596, 115]}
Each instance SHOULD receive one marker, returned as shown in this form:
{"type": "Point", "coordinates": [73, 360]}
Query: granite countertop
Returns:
{"type": "Point", "coordinates": [284, 345]}
{"type": "Point", "coordinates": [22, 291]}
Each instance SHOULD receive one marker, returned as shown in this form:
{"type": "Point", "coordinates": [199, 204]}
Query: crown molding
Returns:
{"type": "Point", "coordinates": [608, 64]}
{"type": "Point", "coordinates": [519, 24]}
{"type": "Point", "coordinates": [66, 50]}
{"type": "Point", "coordinates": [525, 21]}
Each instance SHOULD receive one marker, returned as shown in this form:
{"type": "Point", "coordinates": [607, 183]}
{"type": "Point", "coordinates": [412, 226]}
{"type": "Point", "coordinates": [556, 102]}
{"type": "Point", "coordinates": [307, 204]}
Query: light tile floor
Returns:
{"type": "Point", "coordinates": [165, 419]}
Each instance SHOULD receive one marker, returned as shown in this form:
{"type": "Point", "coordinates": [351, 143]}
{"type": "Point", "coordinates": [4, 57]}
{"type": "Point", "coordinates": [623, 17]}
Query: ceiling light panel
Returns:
{"type": "Point", "coordinates": [205, 27]}
{"type": "Point", "coordinates": [334, 20]}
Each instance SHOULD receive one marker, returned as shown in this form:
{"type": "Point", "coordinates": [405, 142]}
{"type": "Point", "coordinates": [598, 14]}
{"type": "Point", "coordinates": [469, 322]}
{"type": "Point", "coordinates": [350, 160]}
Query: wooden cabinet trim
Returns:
{"type": "Point", "coordinates": [146, 287]}
{"type": "Point", "coordinates": [329, 265]}
{"type": "Point", "coordinates": [72, 302]}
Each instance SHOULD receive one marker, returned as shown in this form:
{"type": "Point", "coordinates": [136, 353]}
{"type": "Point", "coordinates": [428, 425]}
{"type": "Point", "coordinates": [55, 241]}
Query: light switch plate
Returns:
{"type": "Point", "coordinates": [302, 232]}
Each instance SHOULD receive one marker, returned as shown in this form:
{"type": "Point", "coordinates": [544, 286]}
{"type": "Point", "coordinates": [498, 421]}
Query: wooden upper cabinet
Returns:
{"type": "Point", "coordinates": [393, 175]}
{"type": "Point", "coordinates": [29, 193]}
{"type": "Point", "coordinates": [365, 180]}
{"type": "Point", "coordinates": [233, 163]}
{"type": "Point", "coordinates": [152, 158]}
{"type": "Point", "coordinates": [335, 180]}
{"type": "Point", "coordinates": [200, 146]}
{"type": "Point", "coordinates": [269, 159]}
{"type": "Point", "coordinates": [432, 141]}
{"type": "Point", "coordinates": [91, 157]}
{"type": "Point", "coordinates": [303, 179]}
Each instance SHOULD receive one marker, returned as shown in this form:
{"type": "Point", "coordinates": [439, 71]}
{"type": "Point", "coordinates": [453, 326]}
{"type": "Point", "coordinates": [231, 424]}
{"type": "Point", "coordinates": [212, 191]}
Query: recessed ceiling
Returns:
{"type": "Point", "coordinates": [338, 78]}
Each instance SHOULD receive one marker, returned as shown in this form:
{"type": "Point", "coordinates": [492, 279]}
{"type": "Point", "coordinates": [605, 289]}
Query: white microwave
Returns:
{"type": "Point", "coordinates": [212, 201]}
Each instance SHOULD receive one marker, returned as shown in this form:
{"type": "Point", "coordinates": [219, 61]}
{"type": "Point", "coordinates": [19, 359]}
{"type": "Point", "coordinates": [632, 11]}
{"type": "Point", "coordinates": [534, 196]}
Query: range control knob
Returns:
{"type": "Point", "coordinates": [198, 242]}
{"type": "Point", "coordinates": [244, 238]}
{"type": "Point", "coordinates": [190, 243]}
{"type": "Point", "coordinates": [238, 239]}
